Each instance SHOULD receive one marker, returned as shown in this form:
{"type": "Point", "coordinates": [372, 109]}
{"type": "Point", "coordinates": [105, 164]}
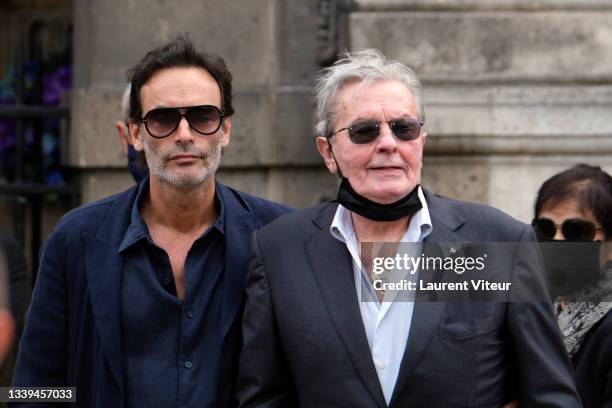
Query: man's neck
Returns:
{"type": "Point", "coordinates": [183, 210]}
{"type": "Point", "coordinates": [367, 230]}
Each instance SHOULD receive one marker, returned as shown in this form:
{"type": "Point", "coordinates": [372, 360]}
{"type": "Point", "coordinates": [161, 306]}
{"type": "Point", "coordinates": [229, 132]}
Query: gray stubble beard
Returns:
{"type": "Point", "coordinates": [158, 170]}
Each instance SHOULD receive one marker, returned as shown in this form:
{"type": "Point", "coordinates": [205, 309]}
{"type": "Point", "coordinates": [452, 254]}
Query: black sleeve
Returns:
{"type": "Point", "coordinates": [264, 379]}
{"type": "Point", "coordinates": [604, 373]}
{"type": "Point", "coordinates": [42, 357]}
{"type": "Point", "coordinates": [545, 376]}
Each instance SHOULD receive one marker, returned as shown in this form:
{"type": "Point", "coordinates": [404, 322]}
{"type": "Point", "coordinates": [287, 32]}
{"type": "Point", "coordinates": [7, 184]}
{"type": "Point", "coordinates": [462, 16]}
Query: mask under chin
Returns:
{"type": "Point", "coordinates": [353, 201]}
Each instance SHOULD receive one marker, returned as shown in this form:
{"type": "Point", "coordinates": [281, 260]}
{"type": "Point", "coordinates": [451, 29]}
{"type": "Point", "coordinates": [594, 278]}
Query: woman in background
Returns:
{"type": "Point", "coordinates": [576, 205]}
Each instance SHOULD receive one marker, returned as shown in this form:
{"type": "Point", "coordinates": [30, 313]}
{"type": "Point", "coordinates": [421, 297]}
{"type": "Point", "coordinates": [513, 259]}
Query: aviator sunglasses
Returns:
{"type": "Point", "coordinates": [573, 229]}
{"type": "Point", "coordinates": [204, 119]}
{"type": "Point", "coordinates": [367, 132]}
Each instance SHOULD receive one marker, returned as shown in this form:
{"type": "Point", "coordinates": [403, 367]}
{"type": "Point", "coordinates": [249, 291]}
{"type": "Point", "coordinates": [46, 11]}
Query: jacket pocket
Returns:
{"type": "Point", "coordinates": [466, 329]}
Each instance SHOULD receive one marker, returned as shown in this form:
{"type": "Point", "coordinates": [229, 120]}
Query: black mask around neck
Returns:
{"type": "Point", "coordinates": [353, 201]}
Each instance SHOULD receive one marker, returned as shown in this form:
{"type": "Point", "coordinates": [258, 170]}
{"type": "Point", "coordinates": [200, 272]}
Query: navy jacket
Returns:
{"type": "Point", "coordinates": [73, 332]}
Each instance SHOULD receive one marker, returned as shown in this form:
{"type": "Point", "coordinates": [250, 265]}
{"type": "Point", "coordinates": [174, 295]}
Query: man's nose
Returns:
{"type": "Point", "coordinates": [386, 139]}
{"type": "Point", "coordinates": [183, 133]}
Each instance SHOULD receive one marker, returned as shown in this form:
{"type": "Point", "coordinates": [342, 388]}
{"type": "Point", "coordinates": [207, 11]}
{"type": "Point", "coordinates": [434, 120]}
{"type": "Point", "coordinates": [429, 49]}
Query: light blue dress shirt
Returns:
{"type": "Point", "coordinates": [387, 323]}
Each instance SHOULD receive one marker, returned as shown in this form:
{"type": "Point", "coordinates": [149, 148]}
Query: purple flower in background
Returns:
{"type": "Point", "coordinates": [41, 80]}
{"type": "Point", "coordinates": [55, 83]}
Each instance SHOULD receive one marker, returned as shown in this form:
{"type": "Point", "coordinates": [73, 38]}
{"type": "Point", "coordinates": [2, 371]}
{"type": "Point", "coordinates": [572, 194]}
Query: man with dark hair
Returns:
{"type": "Point", "coordinates": [138, 299]}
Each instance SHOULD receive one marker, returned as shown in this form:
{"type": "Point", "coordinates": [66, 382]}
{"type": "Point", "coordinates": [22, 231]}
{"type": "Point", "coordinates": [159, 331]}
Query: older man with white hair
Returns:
{"type": "Point", "coordinates": [308, 339]}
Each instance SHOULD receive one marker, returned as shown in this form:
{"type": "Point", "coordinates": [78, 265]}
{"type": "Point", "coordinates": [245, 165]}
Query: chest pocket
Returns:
{"type": "Point", "coordinates": [456, 330]}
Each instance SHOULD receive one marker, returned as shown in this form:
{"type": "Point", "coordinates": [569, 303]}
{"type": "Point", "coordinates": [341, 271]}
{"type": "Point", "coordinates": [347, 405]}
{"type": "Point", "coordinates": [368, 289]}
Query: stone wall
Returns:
{"type": "Point", "coordinates": [270, 48]}
{"type": "Point", "coordinates": [516, 90]}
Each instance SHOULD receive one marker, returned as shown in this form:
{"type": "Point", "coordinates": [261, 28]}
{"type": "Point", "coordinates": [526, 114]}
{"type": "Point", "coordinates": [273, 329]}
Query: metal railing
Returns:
{"type": "Point", "coordinates": [29, 193]}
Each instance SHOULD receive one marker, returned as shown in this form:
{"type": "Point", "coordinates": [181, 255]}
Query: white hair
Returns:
{"type": "Point", "coordinates": [364, 66]}
{"type": "Point", "coordinates": [125, 104]}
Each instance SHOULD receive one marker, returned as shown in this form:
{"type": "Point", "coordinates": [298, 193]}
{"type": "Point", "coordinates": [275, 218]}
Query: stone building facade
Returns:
{"type": "Point", "coordinates": [516, 90]}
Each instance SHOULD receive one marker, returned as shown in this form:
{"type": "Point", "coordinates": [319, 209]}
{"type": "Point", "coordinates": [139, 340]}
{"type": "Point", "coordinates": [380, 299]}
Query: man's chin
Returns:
{"type": "Point", "coordinates": [388, 195]}
{"type": "Point", "coordinates": [185, 181]}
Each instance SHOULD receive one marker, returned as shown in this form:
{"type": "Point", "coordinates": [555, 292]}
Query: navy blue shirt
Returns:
{"type": "Point", "coordinates": [171, 347]}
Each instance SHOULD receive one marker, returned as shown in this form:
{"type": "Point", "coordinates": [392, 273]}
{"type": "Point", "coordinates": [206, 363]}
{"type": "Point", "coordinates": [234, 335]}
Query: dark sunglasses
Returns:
{"type": "Point", "coordinates": [573, 229]}
{"type": "Point", "coordinates": [204, 119]}
{"type": "Point", "coordinates": [367, 132]}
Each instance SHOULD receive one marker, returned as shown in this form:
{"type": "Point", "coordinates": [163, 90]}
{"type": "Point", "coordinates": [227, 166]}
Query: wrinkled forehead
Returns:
{"type": "Point", "coordinates": [180, 86]}
{"type": "Point", "coordinates": [359, 97]}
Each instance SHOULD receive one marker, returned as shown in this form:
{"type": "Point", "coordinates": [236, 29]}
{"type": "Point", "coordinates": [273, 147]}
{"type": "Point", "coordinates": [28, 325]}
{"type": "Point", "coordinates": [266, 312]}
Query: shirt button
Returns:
{"type": "Point", "coordinates": [166, 281]}
{"type": "Point", "coordinates": [380, 365]}
{"type": "Point", "coordinates": [189, 314]}
{"type": "Point", "coordinates": [188, 364]}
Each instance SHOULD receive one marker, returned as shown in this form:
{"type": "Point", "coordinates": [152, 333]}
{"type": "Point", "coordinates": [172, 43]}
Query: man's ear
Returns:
{"type": "Point", "coordinates": [226, 128]}
{"type": "Point", "coordinates": [122, 133]}
{"type": "Point", "coordinates": [326, 153]}
{"type": "Point", "coordinates": [135, 136]}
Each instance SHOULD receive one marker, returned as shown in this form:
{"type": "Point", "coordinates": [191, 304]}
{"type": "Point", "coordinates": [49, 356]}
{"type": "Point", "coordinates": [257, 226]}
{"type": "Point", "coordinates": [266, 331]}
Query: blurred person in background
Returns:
{"type": "Point", "coordinates": [136, 161]}
{"type": "Point", "coordinates": [7, 326]}
{"type": "Point", "coordinates": [15, 281]}
{"type": "Point", "coordinates": [573, 208]}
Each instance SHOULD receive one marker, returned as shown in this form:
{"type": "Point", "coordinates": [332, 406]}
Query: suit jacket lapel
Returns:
{"type": "Point", "coordinates": [239, 225]}
{"type": "Point", "coordinates": [427, 315]}
{"type": "Point", "coordinates": [332, 267]}
{"type": "Point", "coordinates": [104, 269]}
{"type": "Point", "coordinates": [237, 234]}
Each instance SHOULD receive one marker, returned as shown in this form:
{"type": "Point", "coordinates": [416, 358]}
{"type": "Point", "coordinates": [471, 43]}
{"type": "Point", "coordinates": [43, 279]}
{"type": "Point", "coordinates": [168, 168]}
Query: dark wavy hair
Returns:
{"type": "Point", "coordinates": [179, 53]}
{"type": "Point", "coordinates": [590, 186]}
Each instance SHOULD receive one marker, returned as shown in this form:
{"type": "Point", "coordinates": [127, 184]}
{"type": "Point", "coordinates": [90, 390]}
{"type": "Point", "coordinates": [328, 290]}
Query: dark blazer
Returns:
{"type": "Point", "coordinates": [305, 343]}
{"type": "Point", "coordinates": [593, 365]}
{"type": "Point", "coordinates": [73, 333]}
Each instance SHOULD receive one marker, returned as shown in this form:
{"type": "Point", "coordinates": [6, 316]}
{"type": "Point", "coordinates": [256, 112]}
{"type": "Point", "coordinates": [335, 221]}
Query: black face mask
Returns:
{"type": "Point", "coordinates": [137, 169]}
{"type": "Point", "coordinates": [570, 265]}
{"type": "Point", "coordinates": [404, 207]}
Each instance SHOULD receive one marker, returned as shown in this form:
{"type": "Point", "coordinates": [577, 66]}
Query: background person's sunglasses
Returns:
{"type": "Point", "coordinates": [204, 119]}
{"type": "Point", "coordinates": [573, 229]}
{"type": "Point", "coordinates": [367, 132]}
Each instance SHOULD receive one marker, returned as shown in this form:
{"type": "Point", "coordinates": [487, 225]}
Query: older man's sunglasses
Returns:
{"type": "Point", "coordinates": [573, 229]}
{"type": "Point", "coordinates": [204, 119]}
{"type": "Point", "coordinates": [367, 132]}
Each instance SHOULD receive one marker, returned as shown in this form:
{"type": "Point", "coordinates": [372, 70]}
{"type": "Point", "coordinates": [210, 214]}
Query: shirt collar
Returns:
{"type": "Point", "coordinates": [419, 228]}
{"type": "Point", "coordinates": [138, 230]}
